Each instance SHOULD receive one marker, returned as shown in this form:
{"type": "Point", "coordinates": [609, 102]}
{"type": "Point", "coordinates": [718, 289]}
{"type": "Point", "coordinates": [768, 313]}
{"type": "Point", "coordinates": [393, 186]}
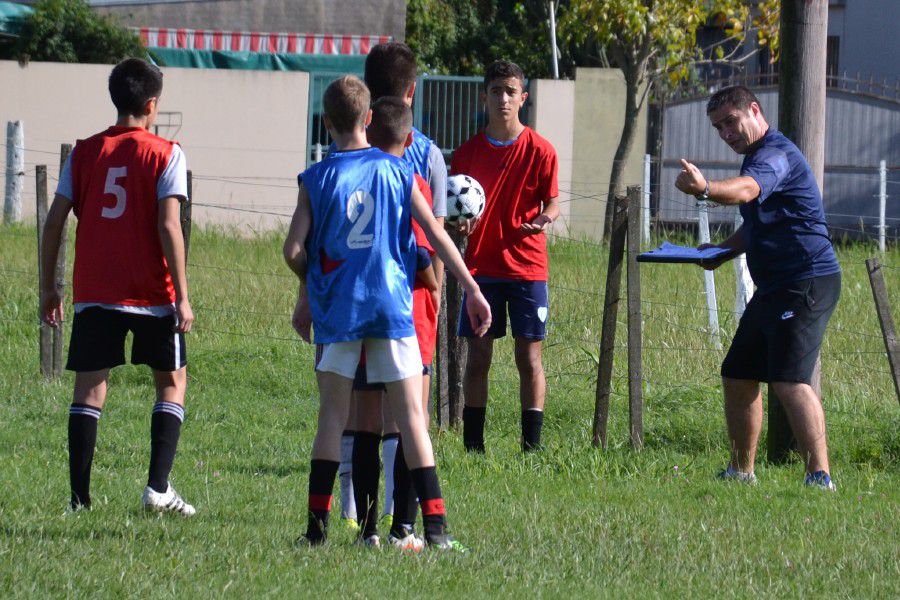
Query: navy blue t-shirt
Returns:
{"type": "Point", "coordinates": [785, 226]}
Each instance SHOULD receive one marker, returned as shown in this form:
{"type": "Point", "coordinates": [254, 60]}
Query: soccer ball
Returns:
{"type": "Point", "coordinates": [465, 199]}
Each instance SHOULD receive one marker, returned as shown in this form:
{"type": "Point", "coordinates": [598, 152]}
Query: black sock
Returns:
{"type": "Point", "coordinates": [405, 501]}
{"type": "Point", "coordinates": [473, 428]}
{"type": "Point", "coordinates": [82, 441]}
{"type": "Point", "coordinates": [165, 428]}
{"type": "Point", "coordinates": [532, 421]}
{"type": "Point", "coordinates": [366, 473]}
{"type": "Point", "coordinates": [321, 483]}
{"type": "Point", "coordinates": [428, 490]}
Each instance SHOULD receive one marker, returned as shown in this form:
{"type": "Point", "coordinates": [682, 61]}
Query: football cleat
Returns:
{"type": "Point", "coordinates": [406, 540]}
{"type": "Point", "coordinates": [169, 501]}
{"type": "Point", "coordinates": [372, 541]}
{"type": "Point", "coordinates": [732, 474]}
{"type": "Point", "coordinates": [446, 543]}
{"type": "Point", "coordinates": [821, 480]}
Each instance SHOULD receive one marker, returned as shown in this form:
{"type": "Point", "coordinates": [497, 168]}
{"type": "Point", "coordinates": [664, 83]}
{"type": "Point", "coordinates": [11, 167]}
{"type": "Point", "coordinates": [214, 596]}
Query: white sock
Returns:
{"type": "Point", "coordinates": [388, 454]}
{"type": "Point", "coordinates": [345, 476]}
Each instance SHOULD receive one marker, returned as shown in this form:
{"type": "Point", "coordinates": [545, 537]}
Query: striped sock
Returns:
{"type": "Point", "coordinates": [165, 429]}
{"type": "Point", "coordinates": [428, 490]}
{"type": "Point", "coordinates": [82, 441]}
{"type": "Point", "coordinates": [321, 482]}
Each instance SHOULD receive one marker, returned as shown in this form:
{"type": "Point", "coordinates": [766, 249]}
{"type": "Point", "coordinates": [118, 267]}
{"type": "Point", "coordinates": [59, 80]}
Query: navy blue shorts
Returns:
{"type": "Point", "coordinates": [525, 301]}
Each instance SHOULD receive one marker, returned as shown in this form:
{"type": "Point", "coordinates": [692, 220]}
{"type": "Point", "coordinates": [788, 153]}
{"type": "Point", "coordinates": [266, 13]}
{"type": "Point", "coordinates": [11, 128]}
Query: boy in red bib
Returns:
{"type": "Point", "coordinates": [124, 185]}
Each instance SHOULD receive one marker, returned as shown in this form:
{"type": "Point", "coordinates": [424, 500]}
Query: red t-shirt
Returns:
{"type": "Point", "coordinates": [424, 310]}
{"type": "Point", "coordinates": [517, 180]}
{"type": "Point", "coordinates": [118, 255]}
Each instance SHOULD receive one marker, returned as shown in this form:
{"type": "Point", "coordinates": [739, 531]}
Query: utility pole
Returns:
{"type": "Point", "coordinates": [801, 117]}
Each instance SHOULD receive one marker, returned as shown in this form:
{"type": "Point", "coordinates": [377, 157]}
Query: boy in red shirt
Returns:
{"type": "Point", "coordinates": [125, 186]}
{"type": "Point", "coordinates": [507, 251]}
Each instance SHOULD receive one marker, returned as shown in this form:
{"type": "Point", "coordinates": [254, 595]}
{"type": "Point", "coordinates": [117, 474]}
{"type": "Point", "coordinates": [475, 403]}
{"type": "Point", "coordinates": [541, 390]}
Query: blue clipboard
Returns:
{"type": "Point", "coordinates": [670, 253]}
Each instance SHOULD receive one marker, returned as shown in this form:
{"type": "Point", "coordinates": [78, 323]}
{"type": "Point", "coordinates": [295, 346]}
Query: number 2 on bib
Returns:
{"type": "Point", "coordinates": [360, 209]}
{"type": "Point", "coordinates": [116, 190]}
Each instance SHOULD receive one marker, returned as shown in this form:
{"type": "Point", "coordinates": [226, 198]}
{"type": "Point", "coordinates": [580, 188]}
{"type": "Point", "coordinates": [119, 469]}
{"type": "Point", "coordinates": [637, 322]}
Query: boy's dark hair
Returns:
{"type": "Point", "coordinates": [391, 122]}
{"type": "Point", "coordinates": [390, 70]}
{"type": "Point", "coordinates": [737, 96]}
{"type": "Point", "coordinates": [346, 102]}
{"type": "Point", "coordinates": [503, 69]}
{"type": "Point", "coordinates": [131, 83]}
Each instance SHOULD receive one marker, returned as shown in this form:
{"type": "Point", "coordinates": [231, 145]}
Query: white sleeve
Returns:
{"type": "Point", "coordinates": [173, 181]}
{"type": "Point", "coordinates": [64, 187]}
{"type": "Point", "coordinates": [437, 180]}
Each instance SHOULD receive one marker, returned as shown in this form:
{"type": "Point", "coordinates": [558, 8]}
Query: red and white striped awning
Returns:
{"type": "Point", "coordinates": [252, 41]}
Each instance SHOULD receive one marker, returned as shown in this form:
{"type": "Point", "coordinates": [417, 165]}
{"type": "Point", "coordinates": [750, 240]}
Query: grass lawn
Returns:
{"type": "Point", "coordinates": [570, 521]}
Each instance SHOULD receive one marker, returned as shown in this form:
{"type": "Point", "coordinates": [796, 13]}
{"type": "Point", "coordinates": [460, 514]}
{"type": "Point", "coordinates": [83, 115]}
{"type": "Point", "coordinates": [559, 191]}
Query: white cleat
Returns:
{"type": "Point", "coordinates": [169, 501]}
{"type": "Point", "coordinates": [408, 543]}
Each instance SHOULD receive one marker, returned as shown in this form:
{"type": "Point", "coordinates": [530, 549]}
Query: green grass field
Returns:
{"type": "Point", "coordinates": [571, 521]}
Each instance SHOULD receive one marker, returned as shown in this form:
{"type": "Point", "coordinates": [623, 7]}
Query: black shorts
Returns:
{"type": "Point", "coordinates": [361, 383]}
{"type": "Point", "coordinates": [526, 302]}
{"type": "Point", "coordinates": [98, 341]}
{"type": "Point", "coordinates": [780, 333]}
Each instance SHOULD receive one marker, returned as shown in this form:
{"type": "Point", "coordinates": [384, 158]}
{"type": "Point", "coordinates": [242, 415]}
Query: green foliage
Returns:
{"type": "Point", "coordinates": [69, 31]}
{"type": "Point", "coordinates": [461, 37]}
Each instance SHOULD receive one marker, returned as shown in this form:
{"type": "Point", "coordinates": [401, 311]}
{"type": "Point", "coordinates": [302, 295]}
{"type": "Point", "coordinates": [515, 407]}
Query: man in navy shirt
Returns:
{"type": "Point", "coordinates": [797, 277]}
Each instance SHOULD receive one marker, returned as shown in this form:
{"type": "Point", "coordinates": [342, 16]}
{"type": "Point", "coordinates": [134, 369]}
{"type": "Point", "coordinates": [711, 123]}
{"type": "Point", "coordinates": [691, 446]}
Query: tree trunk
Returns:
{"type": "Point", "coordinates": [626, 142]}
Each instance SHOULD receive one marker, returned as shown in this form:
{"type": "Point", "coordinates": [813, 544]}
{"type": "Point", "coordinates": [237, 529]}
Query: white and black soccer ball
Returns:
{"type": "Point", "coordinates": [465, 199]}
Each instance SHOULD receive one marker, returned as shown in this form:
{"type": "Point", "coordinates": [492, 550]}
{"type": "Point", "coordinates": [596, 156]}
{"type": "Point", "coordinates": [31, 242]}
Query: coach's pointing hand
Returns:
{"type": "Point", "coordinates": [690, 180]}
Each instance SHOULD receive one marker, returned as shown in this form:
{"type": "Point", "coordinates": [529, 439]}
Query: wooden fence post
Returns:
{"type": "Point", "coordinates": [635, 372]}
{"type": "Point", "coordinates": [46, 332]}
{"type": "Point", "coordinates": [608, 329]}
{"type": "Point", "coordinates": [186, 215]}
{"type": "Point", "coordinates": [457, 348]}
{"type": "Point", "coordinates": [59, 333]}
{"type": "Point", "coordinates": [441, 384]}
{"type": "Point", "coordinates": [883, 307]}
{"type": "Point", "coordinates": [15, 172]}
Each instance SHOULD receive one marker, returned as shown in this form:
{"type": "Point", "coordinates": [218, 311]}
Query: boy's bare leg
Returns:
{"type": "Point", "coordinates": [532, 390]}
{"type": "Point", "coordinates": [165, 425]}
{"type": "Point", "coordinates": [334, 404]}
{"type": "Point", "coordinates": [366, 461]}
{"type": "Point", "coordinates": [475, 388]}
{"type": "Point", "coordinates": [87, 401]}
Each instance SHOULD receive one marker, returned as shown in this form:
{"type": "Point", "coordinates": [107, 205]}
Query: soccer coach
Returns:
{"type": "Point", "coordinates": [797, 277]}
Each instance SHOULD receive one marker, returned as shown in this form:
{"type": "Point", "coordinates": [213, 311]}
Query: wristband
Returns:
{"type": "Point", "coordinates": [704, 195]}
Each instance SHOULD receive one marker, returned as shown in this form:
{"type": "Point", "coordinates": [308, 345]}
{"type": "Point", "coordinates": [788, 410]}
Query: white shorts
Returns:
{"type": "Point", "coordinates": [386, 360]}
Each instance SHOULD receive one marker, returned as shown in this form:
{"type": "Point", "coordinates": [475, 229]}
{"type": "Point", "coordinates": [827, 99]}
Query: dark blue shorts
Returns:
{"type": "Point", "coordinates": [525, 301]}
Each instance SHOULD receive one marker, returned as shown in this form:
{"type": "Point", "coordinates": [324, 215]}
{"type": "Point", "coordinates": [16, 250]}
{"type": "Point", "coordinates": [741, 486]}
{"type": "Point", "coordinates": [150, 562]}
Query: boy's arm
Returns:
{"type": "Point", "coordinates": [295, 255]}
{"type": "Point", "coordinates": [172, 241]}
{"type": "Point", "coordinates": [428, 278]}
{"type": "Point", "coordinates": [51, 296]}
{"type": "Point", "coordinates": [476, 306]}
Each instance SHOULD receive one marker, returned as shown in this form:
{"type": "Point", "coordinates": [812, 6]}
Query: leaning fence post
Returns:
{"type": "Point", "coordinates": [441, 384]}
{"type": "Point", "coordinates": [59, 332]}
{"type": "Point", "coordinates": [608, 327]}
{"type": "Point", "coordinates": [883, 308]}
{"type": "Point", "coordinates": [46, 332]}
{"type": "Point", "coordinates": [635, 372]}
{"type": "Point", "coordinates": [185, 214]}
{"type": "Point", "coordinates": [709, 281]}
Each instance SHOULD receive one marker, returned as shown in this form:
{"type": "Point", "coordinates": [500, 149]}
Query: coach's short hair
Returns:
{"type": "Point", "coordinates": [737, 96]}
{"type": "Point", "coordinates": [131, 83]}
{"type": "Point", "coordinates": [345, 103]}
{"type": "Point", "coordinates": [391, 122]}
{"type": "Point", "coordinates": [503, 69]}
{"type": "Point", "coordinates": [390, 69]}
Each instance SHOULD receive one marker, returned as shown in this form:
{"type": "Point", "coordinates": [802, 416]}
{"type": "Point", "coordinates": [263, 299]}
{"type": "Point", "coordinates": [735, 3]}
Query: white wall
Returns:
{"type": "Point", "coordinates": [244, 132]}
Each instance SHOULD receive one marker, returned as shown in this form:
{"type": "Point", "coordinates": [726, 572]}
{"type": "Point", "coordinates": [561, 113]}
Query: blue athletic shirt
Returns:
{"type": "Point", "coordinates": [361, 248]}
{"type": "Point", "coordinates": [785, 226]}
